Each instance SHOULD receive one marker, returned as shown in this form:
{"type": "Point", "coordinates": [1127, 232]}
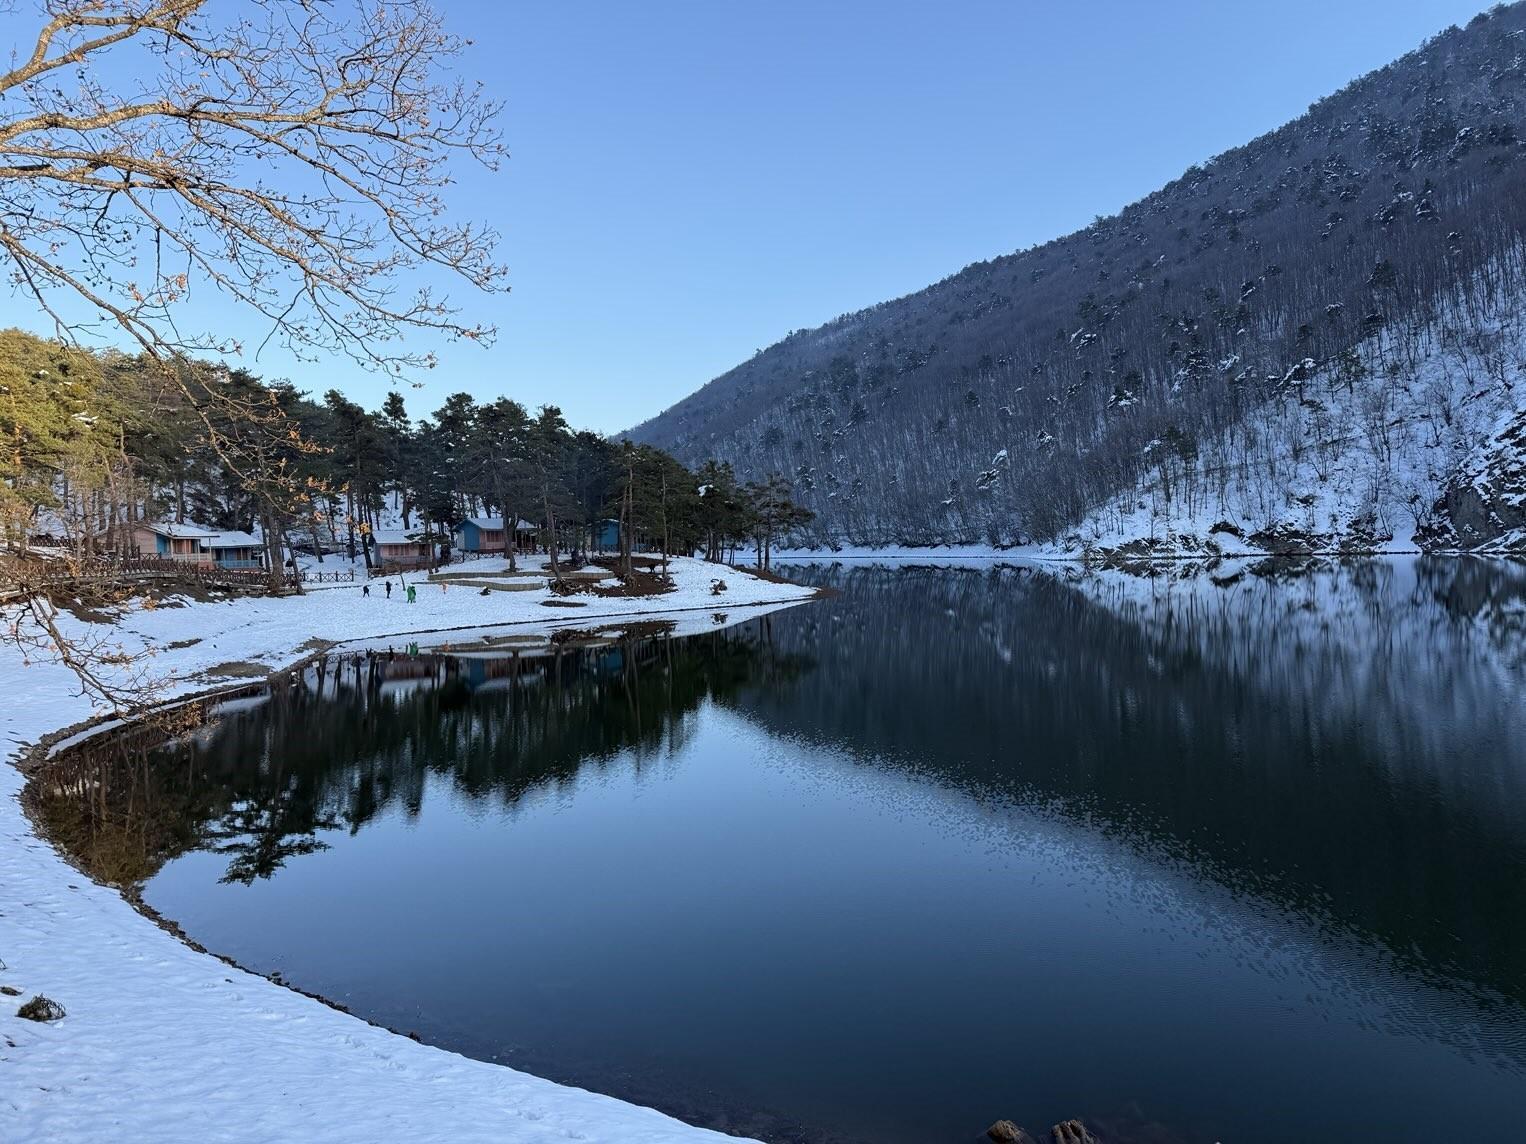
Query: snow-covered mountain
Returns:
{"type": "Point", "coordinates": [1314, 339]}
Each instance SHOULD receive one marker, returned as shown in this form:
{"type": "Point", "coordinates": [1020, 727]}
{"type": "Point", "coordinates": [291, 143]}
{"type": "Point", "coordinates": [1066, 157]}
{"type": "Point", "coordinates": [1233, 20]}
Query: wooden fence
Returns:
{"type": "Point", "coordinates": [140, 569]}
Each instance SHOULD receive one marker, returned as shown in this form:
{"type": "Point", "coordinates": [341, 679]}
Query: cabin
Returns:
{"type": "Point", "coordinates": [606, 535]}
{"type": "Point", "coordinates": [395, 548]}
{"type": "Point", "coordinates": [232, 549]}
{"type": "Point", "coordinates": [184, 542]}
{"type": "Point", "coordinates": [487, 534]}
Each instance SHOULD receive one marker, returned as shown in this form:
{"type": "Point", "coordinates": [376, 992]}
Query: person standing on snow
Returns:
{"type": "Point", "coordinates": [389, 589]}
{"type": "Point", "coordinates": [412, 594]}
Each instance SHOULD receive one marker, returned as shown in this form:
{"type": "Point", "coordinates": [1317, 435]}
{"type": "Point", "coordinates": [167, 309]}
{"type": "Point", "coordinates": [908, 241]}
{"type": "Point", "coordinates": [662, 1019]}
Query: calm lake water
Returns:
{"type": "Point", "coordinates": [1193, 860]}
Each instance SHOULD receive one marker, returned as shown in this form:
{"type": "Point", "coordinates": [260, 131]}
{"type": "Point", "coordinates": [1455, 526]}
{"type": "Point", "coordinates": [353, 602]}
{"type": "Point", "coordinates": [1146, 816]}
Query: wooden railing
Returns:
{"type": "Point", "coordinates": [25, 580]}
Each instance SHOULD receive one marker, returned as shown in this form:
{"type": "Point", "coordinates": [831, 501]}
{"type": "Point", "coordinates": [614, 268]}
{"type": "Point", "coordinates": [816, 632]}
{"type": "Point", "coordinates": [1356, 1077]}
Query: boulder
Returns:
{"type": "Point", "coordinates": [1005, 1132]}
{"type": "Point", "coordinates": [1485, 501]}
{"type": "Point", "coordinates": [1071, 1132]}
{"type": "Point", "coordinates": [41, 1008]}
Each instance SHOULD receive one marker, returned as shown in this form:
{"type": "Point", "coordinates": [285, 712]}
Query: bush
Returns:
{"type": "Point", "coordinates": [40, 1008]}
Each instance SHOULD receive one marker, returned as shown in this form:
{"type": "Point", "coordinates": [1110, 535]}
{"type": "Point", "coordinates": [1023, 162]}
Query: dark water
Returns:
{"type": "Point", "coordinates": [1194, 861]}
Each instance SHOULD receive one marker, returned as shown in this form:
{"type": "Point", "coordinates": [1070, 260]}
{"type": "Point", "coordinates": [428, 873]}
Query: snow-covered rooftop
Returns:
{"type": "Point", "coordinates": [233, 539]}
{"type": "Point", "coordinates": [396, 536]}
{"type": "Point", "coordinates": [495, 523]}
{"type": "Point", "coordinates": [180, 531]}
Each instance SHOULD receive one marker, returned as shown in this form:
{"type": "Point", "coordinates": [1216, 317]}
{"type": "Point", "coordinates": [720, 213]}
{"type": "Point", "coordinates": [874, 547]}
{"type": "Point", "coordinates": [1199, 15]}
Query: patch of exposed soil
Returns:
{"type": "Point", "coordinates": [238, 669]}
{"type": "Point", "coordinates": [643, 582]}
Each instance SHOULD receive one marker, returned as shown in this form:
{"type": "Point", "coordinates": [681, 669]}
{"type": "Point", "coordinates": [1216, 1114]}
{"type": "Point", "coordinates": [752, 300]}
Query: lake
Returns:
{"type": "Point", "coordinates": [1195, 859]}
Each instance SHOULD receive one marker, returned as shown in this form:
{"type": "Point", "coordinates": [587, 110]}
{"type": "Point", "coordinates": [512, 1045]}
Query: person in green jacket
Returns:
{"type": "Point", "coordinates": [412, 594]}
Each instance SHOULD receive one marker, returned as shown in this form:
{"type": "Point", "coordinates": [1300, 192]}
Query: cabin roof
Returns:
{"type": "Point", "coordinates": [396, 536]}
{"type": "Point", "coordinates": [180, 531]}
{"type": "Point", "coordinates": [234, 539]}
{"type": "Point", "coordinates": [495, 523]}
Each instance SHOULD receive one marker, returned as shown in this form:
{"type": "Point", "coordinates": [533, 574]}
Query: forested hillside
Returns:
{"type": "Point", "coordinates": [99, 443]}
{"type": "Point", "coordinates": [1343, 290]}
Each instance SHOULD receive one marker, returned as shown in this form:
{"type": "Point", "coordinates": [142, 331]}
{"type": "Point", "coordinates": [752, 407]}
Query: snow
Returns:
{"type": "Point", "coordinates": [163, 1043]}
{"type": "Point", "coordinates": [181, 531]}
{"type": "Point", "coordinates": [495, 523]}
{"type": "Point", "coordinates": [397, 535]}
{"type": "Point", "coordinates": [231, 538]}
{"type": "Point", "coordinates": [1358, 460]}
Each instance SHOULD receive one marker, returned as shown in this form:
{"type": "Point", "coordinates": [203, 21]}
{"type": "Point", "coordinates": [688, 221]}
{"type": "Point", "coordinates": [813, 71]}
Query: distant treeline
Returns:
{"type": "Point", "coordinates": [98, 443]}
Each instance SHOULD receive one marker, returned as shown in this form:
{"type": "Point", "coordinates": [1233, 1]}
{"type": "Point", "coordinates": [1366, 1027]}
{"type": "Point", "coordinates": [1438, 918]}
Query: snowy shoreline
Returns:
{"type": "Point", "coordinates": [164, 1042]}
{"type": "Point", "coordinates": [1105, 557]}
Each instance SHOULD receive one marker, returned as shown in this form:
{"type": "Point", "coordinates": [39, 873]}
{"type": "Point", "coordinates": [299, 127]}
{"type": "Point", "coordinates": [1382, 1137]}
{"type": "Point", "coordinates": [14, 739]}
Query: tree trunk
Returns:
{"type": "Point", "coordinates": [666, 538]}
{"type": "Point", "coordinates": [274, 567]}
{"type": "Point", "coordinates": [556, 568]}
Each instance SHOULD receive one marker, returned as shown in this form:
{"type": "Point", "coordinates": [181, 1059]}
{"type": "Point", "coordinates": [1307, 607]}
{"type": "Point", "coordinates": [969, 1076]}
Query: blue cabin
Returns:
{"type": "Point", "coordinates": [487, 534]}
{"type": "Point", "coordinates": [237, 550]}
{"type": "Point", "coordinates": [606, 535]}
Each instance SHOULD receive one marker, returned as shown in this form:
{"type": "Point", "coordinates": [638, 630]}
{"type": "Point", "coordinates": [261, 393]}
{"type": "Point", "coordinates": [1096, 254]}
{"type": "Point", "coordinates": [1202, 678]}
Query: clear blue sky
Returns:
{"type": "Point", "coordinates": [691, 180]}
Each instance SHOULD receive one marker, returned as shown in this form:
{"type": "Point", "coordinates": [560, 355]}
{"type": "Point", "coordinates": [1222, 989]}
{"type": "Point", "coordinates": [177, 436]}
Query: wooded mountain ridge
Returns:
{"type": "Point", "coordinates": [1346, 286]}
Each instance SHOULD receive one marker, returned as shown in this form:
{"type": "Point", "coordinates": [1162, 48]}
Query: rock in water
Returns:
{"type": "Point", "coordinates": [41, 1008]}
{"type": "Point", "coordinates": [1005, 1132]}
{"type": "Point", "coordinates": [1071, 1132]}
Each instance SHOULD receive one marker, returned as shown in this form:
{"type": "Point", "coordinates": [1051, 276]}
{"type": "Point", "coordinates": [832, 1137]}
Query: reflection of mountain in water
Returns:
{"type": "Point", "coordinates": [1347, 744]}
{"type": "Point", "coordinates": [1351, 744]}
{"type": "Point", "coordinates": [359, 734]}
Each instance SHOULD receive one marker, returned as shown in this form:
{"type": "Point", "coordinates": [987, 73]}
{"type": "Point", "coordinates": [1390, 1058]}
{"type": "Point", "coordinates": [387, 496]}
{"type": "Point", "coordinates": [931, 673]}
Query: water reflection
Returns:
{"type": "Point", "coordinates": [1350, 741]}
{"type": "Point", "coordinates": [261, 775]}
{"type": "Point", "coordinates": [950, 846]}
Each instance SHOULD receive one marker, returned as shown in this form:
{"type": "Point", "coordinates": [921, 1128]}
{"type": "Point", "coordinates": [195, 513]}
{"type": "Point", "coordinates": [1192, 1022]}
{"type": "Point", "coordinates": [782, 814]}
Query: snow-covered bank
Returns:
{"type": "Point", "coordinates": [1409, 442]}
{"type": "Point", "coordinates": [903, 554]}
{"type": "Point", "coordinates": [163, 1043]}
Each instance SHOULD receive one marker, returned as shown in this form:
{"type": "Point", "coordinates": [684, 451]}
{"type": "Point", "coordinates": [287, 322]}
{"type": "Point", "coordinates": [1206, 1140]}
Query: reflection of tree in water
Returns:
{"type": "Point", "coordinates": [1347, 744]}
{"type": "Point", "coordinates": [359, 735]}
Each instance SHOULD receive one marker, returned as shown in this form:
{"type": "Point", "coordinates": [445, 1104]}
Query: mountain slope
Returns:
{"type": "Point", "coordinates": [1022, 396]}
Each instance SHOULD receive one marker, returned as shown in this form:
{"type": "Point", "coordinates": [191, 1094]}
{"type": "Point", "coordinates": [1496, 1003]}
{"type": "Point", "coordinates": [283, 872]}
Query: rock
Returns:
{"type": "Point", "coordinates": [41, 1008]}
{"type": "Point", "coordinates": [1005, 1132]}
{"type": "Point", "coordinates": [1071, 1132]}
{"type": "Point", "coordinates": [1485, 502]}
{"type": "Point", "coordinates": [1288, 540]}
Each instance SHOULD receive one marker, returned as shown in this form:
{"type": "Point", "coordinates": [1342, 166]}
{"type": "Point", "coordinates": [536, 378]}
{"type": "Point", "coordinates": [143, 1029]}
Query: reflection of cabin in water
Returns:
{"type": "Point", "coordinates": [495, 671]}
{"type": "Point", "coordinates": [398, 675]}
{"type": "Point", "coordinates": [406, 675]}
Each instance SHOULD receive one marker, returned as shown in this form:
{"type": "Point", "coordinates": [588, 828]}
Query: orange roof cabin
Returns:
{"type": "Point", "coordinates": [399, 549]}
{"type": "Point", "coordinates": [174, 542]}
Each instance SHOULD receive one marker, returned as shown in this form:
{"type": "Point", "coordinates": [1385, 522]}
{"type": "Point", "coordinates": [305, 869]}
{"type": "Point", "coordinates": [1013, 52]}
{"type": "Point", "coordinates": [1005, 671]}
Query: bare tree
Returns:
{"type": "Point", "coordinates": [290, 155]}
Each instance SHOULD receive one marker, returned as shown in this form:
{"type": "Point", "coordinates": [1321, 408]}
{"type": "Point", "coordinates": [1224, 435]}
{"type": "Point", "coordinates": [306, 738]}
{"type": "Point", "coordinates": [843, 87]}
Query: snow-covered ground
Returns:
{"type": "Point", "coordinates": [901, 554]}
{"type": "Point", "coordinates": [1356, 453]}
{"type": "Point", "coordinates": [163, 1043]}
